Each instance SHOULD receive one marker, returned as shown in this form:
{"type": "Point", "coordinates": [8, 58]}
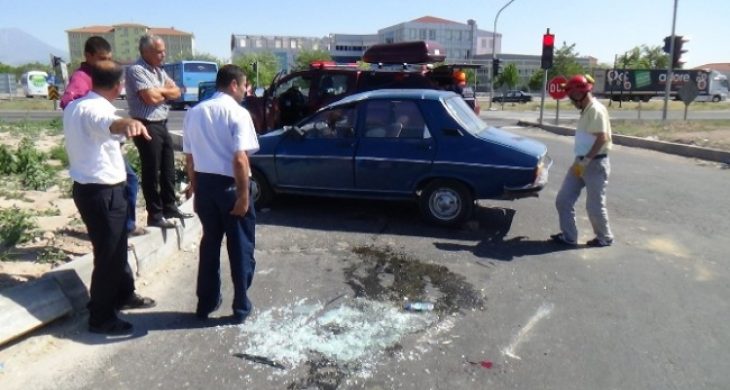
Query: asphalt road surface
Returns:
{"type": "Point", "coordinates": [512, 310]}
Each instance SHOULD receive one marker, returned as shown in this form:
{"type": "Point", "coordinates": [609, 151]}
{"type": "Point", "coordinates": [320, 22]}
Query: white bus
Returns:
{"type": "Point", "coordinates": [35, 83]}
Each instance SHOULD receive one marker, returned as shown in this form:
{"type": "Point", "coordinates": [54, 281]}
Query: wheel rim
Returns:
{"type": "Point", "coordinates": [255, 190]}
{"type": "Point", "coordinates": [444, 204]}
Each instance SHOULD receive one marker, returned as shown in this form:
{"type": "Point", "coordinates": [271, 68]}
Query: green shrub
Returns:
{"type": "Point", "coordinates": [132, 156]}
{"type": "Point", "coordinates": [58, 152]}
{"type": "Point", "coordinates": [15, 226]}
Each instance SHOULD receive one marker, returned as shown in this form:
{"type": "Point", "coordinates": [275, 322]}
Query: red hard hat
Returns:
{"type": "Point", "coordinates": [459, 76]}
{"type": "Point", "coordinates": [578, 83]}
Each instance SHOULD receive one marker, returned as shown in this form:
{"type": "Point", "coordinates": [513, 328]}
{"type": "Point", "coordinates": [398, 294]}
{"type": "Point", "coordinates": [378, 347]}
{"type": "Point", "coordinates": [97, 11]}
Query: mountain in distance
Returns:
{"type": "Point", "coordinates": [18, 47]}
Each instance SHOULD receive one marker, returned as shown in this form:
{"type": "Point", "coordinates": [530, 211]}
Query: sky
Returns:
{"type": "Point", "coordinates": [601, 29]}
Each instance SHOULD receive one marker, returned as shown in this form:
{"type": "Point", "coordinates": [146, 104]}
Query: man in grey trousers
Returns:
{"type": "Point", "coordinates": [590, 168]}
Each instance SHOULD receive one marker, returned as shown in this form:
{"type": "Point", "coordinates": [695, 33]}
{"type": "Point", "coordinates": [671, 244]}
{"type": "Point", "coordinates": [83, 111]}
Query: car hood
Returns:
{"type": "Point", "coordinates": [513, 141]}
{"type": "Point", "coordinates": [268, 141]}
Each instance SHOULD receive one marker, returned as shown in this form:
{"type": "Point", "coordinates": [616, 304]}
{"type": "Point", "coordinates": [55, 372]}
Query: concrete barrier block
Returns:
{"type": "Point", "coordinates": [30, 305]}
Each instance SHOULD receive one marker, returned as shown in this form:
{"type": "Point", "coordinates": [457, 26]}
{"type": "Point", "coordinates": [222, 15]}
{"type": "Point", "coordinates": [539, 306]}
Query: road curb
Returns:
{"type": "Point", "coordinates": [65, 289]}
{"type": "Point", "coordinates": [692, 151]}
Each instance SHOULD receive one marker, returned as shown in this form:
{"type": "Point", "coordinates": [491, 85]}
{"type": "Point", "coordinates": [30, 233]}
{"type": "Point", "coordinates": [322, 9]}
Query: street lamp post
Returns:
{"type": "Point", "coordinates": [494, 44]}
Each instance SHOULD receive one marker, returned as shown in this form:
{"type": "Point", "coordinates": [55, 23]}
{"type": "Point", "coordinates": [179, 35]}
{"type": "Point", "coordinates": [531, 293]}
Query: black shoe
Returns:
{"type": "Point", "coordinates": [176, 213]}
{"type": "Point", "coordinates": [203, 314]}
{"type": "Point", "coordinates": [138, 302]}
{"type": "Point", "coordinates": [597, 243]}
{"type": "Point", "coordinates": [238, 319]}
{"type": "Point", "coordinates": [560, 239]}
{"type": "Point", "coordinates": [114, 327]}
{"type": "Point", "coordinates": [161, 223]}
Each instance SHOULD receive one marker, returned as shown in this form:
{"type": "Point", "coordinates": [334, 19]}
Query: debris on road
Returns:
{"type": "Point", "coordinates": [260, 360]}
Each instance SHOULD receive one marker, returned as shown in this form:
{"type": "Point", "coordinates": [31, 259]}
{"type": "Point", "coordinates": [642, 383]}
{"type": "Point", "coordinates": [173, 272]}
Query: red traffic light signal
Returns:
{"type": "Point", "coordinates": [548, 42]}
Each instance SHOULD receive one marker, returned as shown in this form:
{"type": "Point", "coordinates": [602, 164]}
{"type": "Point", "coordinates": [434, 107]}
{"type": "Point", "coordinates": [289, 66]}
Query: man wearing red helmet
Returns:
{"type": "Point", "coordinates": [590, 168]}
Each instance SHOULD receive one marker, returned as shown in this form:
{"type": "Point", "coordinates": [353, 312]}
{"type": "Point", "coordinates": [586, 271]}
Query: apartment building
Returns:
{"type": "Point", "coordinates": [124, 39]}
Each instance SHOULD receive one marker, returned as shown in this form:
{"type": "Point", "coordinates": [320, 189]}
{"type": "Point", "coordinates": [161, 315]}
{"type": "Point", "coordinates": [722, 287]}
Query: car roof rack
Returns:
{"type": "Point", "coordinates": [416, 52]}
{"type": "Point", "coordinates": [322, 64]}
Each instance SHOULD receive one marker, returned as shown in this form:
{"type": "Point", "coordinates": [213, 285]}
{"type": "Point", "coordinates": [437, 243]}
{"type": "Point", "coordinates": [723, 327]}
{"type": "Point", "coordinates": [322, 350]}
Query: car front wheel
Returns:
{"type": "Point", "coordinates": [261, 192]}
{"type": "Point", "coordinates": [446, 203]}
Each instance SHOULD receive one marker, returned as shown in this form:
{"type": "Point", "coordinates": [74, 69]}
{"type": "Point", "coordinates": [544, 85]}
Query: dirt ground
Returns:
{"type": "Point", "coordinates": [61, 235]}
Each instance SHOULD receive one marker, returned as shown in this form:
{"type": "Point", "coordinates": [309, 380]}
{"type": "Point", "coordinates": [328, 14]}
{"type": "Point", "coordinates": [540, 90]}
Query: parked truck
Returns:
{"type": "Point", "coordinates": [643, 84]}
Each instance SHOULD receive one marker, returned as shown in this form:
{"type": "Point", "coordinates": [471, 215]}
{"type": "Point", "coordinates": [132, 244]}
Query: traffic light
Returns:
{"type": "Point", "coordinates": [56, 61]}
{"type": "Point", "coordinates": [495, 67]}
{"type": "Point", "coordinates": [548, 44]}
{"type": "Point", "coordinates": [677, 58]}
{"type": "Point", "coordinates": [667, 44]}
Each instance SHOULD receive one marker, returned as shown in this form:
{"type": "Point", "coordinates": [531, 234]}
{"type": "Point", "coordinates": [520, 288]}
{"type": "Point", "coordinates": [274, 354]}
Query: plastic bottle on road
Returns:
{"type": "Point", "coordinates": [418, 306]}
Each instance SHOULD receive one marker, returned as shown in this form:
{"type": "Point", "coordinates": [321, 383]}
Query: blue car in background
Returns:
{"type": "Point", "coordinates": [398, 144]}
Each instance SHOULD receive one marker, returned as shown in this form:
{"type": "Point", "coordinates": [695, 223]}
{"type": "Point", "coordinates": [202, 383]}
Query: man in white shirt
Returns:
{"type": "Point", "coordinates": [92, 133]}
{"type": "Point", "coordinates": [218, 136]}
{"type": "Point", "coordinates": [591, 168]}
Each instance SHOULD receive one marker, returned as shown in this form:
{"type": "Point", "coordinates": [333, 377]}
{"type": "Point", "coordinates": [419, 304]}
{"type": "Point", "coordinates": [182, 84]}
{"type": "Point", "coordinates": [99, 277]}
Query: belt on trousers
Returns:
{"type": "Point", "coordinates": [99, 185]}
{"type": "Point", "coordinates": [145, 121]}
{"type": "Point", "coordinates": [596, 157]}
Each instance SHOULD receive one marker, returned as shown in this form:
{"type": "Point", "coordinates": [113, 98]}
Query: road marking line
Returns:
{"type": "Point", "coordinates": [523, 334]}
{"type": "Point", "coordinates": [513, 127]}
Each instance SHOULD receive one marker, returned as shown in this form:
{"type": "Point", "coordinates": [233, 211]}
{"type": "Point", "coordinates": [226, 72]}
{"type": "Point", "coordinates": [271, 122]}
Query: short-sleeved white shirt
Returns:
{"type": "Point", "coordinates": [94, 153]}
{"type": "Point", "coordinates": [214, 130]}
{"type": "Point", "coordinates": [593, 120]}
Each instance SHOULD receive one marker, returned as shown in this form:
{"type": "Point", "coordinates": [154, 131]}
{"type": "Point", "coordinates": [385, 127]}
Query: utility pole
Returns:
{"type": "Point", "coordinates": [494, 44]}
{"type": "Point", "coordinates": [670, 74]}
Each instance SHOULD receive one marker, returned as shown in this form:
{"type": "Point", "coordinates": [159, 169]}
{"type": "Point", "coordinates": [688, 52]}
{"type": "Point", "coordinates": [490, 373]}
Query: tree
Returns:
{"type": "Point", "coordinates": [643, 57]}
{"type": "Point", "coordinates": [267, 67]}
{"type": "Point", "coordinates": [508, 77]}
{"type": "Point", "coordinates": [187, 56]}
{"type": "Point", "coordinates": [20, 69]}
{"type": "Point", "coordinates": [306, 57]}
{"type": "Point", "coordinates": [565, 62]}
{"type": "Point", "coordinates": [535, 83]}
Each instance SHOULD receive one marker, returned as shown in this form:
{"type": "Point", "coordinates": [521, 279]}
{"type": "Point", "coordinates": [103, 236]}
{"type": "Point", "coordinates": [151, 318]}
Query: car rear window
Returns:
{"type": "Point", "coordinates": [465, 115]}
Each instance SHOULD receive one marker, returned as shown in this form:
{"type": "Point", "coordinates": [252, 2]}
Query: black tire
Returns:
{"type": "Point", "coordinates": [446, 203]}
{"type": "Point", "coordinates": [260, 190]}
{"type": "Point", "coordinates": [716, 98]}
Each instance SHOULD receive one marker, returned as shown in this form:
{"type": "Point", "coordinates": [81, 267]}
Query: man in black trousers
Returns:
{"type": "Point", "coordinates": [148, 90]}
{"type": "Point", "coordinates": [93, 133]}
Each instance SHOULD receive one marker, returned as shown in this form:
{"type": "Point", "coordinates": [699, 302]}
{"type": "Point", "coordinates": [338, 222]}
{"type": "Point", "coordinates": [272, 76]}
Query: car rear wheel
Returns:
{"type": "Point", "coordinates": [446, 203]}
{"type": "Point", "coordinates": [260, 190]}
{"type": "Point", "coordinates": [716, 98]}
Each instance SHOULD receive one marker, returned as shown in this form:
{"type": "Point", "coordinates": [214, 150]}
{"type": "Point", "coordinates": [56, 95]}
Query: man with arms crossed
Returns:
{"type": "Point", "coordinates": [218, 136]}
{"type": "Point", "coordinates": [92, 133]}
{"type": "Point", "coordinates": [148, 88]}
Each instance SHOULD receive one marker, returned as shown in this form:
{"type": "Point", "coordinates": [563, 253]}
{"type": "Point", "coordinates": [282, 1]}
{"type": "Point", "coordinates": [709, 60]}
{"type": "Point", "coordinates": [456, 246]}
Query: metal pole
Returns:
{"type": "Point", "coordinates": [670, 74]}
{"type": "Point", "coordinates": [557, 111]}
{"type": "Point", "coordinates": [494, 44]}
{"type": "Point", "coordinates": [542, 96]}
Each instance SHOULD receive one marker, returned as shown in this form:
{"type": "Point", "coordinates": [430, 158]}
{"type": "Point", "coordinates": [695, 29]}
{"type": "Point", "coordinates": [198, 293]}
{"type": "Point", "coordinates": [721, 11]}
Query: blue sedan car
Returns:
{"type": "Point", "coordinates": [422, 145]}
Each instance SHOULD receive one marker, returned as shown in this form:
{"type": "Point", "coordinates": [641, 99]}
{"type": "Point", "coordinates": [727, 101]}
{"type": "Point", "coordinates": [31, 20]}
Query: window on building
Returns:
{"type": "Point", "coordinates": [259, 43]}
{"type": "Point", "coordinates": [422, 34]}
{"type": "Point", "coordinates": [293, 44]}
{"type": "Point", "coordinates": [242, 42]}
{"type": "Point", "coordinates": [432, 35]}
{"type": "Point", "coordinates": [458, 35]}
{"type": "Point", "coordinates": [277, 44]}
